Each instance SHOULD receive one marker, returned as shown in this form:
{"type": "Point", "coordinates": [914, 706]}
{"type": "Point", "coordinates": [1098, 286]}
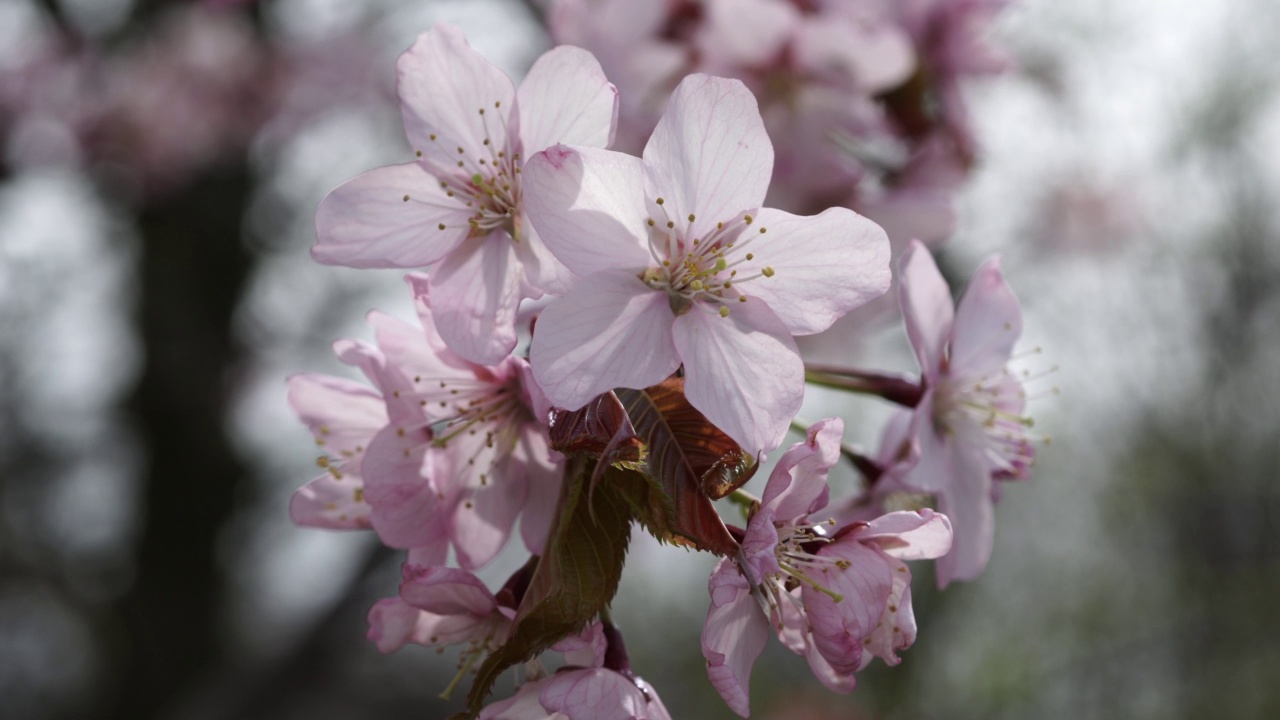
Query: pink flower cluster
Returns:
{"type": "Point", "coordinates": [863, 96]}
{"type": "Point", "coordinates": [627, 271]}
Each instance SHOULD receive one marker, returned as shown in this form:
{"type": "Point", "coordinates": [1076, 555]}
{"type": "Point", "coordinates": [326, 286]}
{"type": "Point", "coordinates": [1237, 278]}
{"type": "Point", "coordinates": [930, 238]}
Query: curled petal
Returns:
{"type": "Point", "coordinates": [863, 585]}
{"type": "Point", "coordinates": [798, 483]}
{"type": "Point", "coordinates": [734, 636]}
{"type": "Point", "coordinates": [908, 535]}
{"type": "Point", "coordinates": [595, 694]}
{"type": "Point", "coordinates": [393, 623]}
{"type": "Point", "coordinates": [445, 591]}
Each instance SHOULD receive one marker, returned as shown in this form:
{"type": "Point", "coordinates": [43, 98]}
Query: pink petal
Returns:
{"type": "Point", "coordinates": [745, 32]}
{"type": "Point", "coordinates": [475, 293]}
{"type": "Point", "coordinates": [805, 465]}
{"type": "Point", "coordinates": [446, 591]}
{"type": "Point", "coordinates": [967, 502]}
{"type": "Point", "coordinates": [595, 694]}
{"type": "Point", "coordinates": [742, 371]}
{"type": "Point", "coordinates": [524, 705]}
{"type": "Point", "coordinates": [410, 353]}
{"type": "Point", "coordinates": [611, 330]}
{"type": "Point", "coordinates": [927, 308]}
{"type": "Point", "coordinates": [831, 679]}
{"type": "Point", "coordinates": [544, 274]}
{"type": "Point", "coordinates": [588, 207]}
{"type": "Point", "coordinates": [393, 623]}
{"type": "Point", "coordinates": [907, 535]}
{"type": "Point", "coordinates": [899, 449]}
{"type": "Point", "coordinates": [897, 627]}
{"type": "Point", "coordinates": [565, 98]}
{"type": "Point", "coordinates": [709, 156]}
{"type": "Point", "coordinates": [341, 413]}
{"type": "Point", "coordinates": [331, 503]}
{"type": "Point", "coordinates": [934, 467]}
{"type": "Point", "coordinates": [483, 520]}
{"type": "Point", "coordinates": [406, 511]}
{"type": "Point", "coordinates": [733, 637]}
{"type": "Point", "coordinates": [872, 56]}
{"type": "Point", "coordinates": [544, 478]}
{"type": "Point", "coordinates": [864, 586]}
{"type": "Point", "coordinates": [366, 222]}
{"type": "Point", "coordinates": [443, 84]}
{"type": "Point", "coordinates": [988, 323]}
{"type": "Point", "coordinates": [823, 266]}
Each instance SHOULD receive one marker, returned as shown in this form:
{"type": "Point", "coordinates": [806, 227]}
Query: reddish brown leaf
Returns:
{"type": "Point", "coordinates": [692, 462]}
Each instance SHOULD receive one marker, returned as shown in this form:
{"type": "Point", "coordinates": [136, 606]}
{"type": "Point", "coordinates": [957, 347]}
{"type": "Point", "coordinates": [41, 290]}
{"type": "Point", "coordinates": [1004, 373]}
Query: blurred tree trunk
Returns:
{"type": "Point", "coordinates": [192, 268]}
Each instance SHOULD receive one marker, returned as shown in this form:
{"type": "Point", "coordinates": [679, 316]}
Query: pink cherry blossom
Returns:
{"type": "Point", "coordinates": [681, 265]}
{"type": "Point", "coordinates": [970, 424]}
{"type": "Point", "coordinates": [458, 207]}
{"type": "Point", "coordinates": [439, 607]}
{"type": "Point", "coordinates": [837, 594]}
{"type": "Point", "coordinates": [344, 416]}
{"type": "Point", "coordinates": [468, 453]}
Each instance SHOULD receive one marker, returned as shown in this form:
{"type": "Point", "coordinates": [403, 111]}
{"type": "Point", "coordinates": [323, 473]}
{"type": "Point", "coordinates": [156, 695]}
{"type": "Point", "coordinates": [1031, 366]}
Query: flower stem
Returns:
{"type": "Point", "coordinates": [894, 388]}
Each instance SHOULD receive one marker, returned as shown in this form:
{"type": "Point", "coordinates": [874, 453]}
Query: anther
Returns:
{"type": "Point", "coordinates": [659, 201]}
{"type": "Point", "coordinates": [766, 271]}
{"type": "Point", "coordinates": [724, 311]}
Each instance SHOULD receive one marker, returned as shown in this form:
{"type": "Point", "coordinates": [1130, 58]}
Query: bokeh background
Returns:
{"type": "Point", "coordinates": [160, 165]}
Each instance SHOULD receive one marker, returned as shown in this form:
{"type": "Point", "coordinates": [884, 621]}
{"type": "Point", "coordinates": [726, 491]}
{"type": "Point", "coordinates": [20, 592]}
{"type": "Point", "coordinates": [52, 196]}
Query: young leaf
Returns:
{"type": "Point", "coordinates": [693, 462]}
{"type": "Point", "coordinates": [576, 576]}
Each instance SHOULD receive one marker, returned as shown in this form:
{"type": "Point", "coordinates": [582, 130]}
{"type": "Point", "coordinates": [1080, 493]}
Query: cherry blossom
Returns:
{"type": "Point", "coordinates": [679, 264]}
{"type": "Point", "coordinates": [970, 424]}
{"type": "Point", "coordinates": [585, 689]}
{"type": "Point", "coordinates": [458, 207]}
{"type": "Point", "coordinates": [837, 594]}
{"type": "Point", "coordinates": [467, 455]}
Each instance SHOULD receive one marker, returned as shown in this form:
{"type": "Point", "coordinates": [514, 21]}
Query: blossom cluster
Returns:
{"type": "Point", "coordinates": [867, 93]}
{"type": "Point", "coordinates": [663, 298]}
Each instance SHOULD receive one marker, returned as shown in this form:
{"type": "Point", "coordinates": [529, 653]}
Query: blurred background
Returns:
{"type": "Point", "coordinates": [160, 165]}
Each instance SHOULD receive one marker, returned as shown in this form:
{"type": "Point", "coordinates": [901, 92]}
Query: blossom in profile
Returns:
{"type": "Point", "coordinates": [458, 207]}
{"type": "Point", "coordinates": [584, 689]}
{"type": "Point", "coordinates": [680, 265]}
{"type": "Point", "coordinates": [969, 426]}
{"type": "Point", "coordinates": [838, 594]}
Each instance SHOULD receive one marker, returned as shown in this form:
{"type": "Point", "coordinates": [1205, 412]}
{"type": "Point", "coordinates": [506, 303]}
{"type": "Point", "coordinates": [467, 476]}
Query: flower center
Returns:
{"type": "Point", "coordinates": [701, 269]}
{"type": "Point", "coordinates": [478, 418]}
{"type": "Point", "coordinates": [989, 412]}
{"type": "Point", "coordinates": [487, 182]}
